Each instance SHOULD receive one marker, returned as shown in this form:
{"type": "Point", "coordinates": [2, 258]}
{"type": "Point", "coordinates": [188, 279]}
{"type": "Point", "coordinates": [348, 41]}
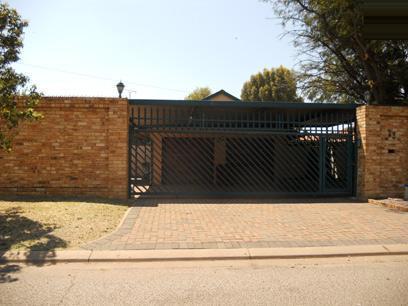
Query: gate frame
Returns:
{"type": "Point", "coordinates": [135, 126]}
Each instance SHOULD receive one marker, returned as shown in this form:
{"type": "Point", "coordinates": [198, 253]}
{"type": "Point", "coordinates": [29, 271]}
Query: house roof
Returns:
{"type": "Point", "coordinates": [221, 92]}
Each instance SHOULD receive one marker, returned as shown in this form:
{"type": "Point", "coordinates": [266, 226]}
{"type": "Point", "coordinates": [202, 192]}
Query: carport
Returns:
{"type": "Point", "coordinates": [213, 148]}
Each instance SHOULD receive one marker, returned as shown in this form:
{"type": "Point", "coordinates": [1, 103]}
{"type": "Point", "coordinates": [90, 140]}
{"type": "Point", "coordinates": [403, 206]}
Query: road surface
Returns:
{"type": "Point", "coordinates": [335, 281]}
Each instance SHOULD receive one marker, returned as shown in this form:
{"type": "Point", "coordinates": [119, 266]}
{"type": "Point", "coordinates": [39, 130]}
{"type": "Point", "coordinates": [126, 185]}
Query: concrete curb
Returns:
{"type": "Point", "coordinates": [115, 230]}
{"type": "Point", "coordinates": [391, 204]}
{"type": "Point", "coordinates": [201, 254]}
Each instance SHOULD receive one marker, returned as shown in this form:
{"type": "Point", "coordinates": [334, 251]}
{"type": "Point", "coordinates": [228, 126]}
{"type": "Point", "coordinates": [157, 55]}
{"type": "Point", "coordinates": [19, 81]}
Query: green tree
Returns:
{"type": "Point", "coordinates": [276, 84]}
{"type": "Point", "coordinates": [17, 99]}
{"type": "Point", "coordinates": [337, 63]}
{"type": "Point", "coordinates": [199, 93]}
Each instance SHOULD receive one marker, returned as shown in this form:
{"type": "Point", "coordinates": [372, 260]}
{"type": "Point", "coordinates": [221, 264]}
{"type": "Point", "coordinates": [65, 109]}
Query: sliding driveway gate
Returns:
{"type": "Point", "coordinates": [241, 148]}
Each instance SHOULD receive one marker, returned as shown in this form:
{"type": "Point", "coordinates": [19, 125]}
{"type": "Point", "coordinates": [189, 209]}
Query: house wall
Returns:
{"type": "Point", "coordinates": [80, 147]}
{"type": "Point", "coordinates": [382, 151]}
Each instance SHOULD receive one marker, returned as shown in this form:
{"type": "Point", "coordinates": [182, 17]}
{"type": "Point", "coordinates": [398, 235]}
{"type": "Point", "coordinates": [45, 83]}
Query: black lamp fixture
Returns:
{"type": "Point", "coordinates": [120, 86]}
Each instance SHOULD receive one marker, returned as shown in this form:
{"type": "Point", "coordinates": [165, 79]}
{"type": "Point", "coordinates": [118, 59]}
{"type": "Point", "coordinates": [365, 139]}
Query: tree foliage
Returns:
{"type": "Point", "coordinates": [276, 84]}
{"type": "Point", "coordinates": [17, 99]}
{"type": "Point", "coordinates": [199, 93]}
{"type": "Point", "coordinates": [337, 63]}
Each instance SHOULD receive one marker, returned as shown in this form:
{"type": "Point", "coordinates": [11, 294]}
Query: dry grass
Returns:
{"type": "Point", "coordinates": [47, 225]}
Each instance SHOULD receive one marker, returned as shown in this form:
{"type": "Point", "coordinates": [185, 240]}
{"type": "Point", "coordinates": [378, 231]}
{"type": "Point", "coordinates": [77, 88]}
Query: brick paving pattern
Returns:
{"type": "Point", "coordinates": [166, 224]}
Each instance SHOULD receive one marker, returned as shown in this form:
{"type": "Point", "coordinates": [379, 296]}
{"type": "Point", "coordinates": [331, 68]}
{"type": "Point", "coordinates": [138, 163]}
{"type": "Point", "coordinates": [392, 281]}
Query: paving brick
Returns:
{"type": "Point", "coordinates": [257, 225]}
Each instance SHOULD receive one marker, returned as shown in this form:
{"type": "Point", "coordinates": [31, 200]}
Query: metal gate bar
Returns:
{"type": "Point", "coordinates": [249, 167]}
{"type": "Point", "coordinates": [206, 149]}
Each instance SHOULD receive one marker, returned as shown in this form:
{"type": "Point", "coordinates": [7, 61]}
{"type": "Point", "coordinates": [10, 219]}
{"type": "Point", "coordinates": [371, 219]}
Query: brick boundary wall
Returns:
{"type": "Point", "coordinates": [382, 151]}
{"type": "Point", "coordinates": [79, 148]}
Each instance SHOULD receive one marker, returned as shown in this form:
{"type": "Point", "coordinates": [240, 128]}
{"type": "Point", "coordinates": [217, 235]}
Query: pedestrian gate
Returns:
{"type": "Point", "coordinates": [241, 148]}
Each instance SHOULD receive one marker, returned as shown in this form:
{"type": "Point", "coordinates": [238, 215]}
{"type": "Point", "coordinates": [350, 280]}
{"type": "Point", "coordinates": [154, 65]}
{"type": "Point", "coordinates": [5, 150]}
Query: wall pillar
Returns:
{"type": "Point", "coordinates": [382, 133]}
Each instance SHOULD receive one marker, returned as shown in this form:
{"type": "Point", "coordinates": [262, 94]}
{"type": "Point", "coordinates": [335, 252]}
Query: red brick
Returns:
{"type": "Point", "coordinates": [382, 173]}
{"type": "Point", "coordinates": [79, 148]}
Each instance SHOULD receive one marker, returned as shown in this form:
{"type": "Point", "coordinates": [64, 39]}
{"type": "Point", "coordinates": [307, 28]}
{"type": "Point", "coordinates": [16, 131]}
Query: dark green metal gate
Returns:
{"type": "Point", "coordinates": [241, 148]}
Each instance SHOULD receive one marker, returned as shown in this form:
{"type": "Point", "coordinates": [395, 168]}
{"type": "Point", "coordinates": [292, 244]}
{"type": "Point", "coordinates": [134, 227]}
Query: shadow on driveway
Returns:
{"type": "Point", "coordinates": [150, 201]}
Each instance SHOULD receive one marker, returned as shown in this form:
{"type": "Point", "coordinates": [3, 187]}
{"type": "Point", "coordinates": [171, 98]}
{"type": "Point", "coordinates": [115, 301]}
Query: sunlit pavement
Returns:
{"type": "Point", "coordinates": [223, 224]}
{"type": "Point", "coordinates": [329, 281]}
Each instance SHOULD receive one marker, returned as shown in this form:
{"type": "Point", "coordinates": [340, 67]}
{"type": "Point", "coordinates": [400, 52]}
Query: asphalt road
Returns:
{"type": "Point", "coordinates": [335, 281]}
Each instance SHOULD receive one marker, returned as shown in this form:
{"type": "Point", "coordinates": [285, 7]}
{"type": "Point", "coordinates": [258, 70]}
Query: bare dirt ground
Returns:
{"type": "Point", "coordinates": [46, 225]}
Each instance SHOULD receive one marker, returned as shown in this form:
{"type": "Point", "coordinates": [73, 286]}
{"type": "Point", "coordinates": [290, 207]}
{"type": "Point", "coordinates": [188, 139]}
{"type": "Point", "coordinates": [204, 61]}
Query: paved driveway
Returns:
{"type": "Point", "coordinates": [172, 224]}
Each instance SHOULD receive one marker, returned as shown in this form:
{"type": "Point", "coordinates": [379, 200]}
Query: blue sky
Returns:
{"type": "Point", "coordinates": [160, 49]}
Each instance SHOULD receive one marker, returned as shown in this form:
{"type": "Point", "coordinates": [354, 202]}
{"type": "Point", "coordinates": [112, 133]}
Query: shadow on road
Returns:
{"type": "Point", "coordinates": [6, 273]}
{"type": "Point", "coordinates": [17, 230]}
